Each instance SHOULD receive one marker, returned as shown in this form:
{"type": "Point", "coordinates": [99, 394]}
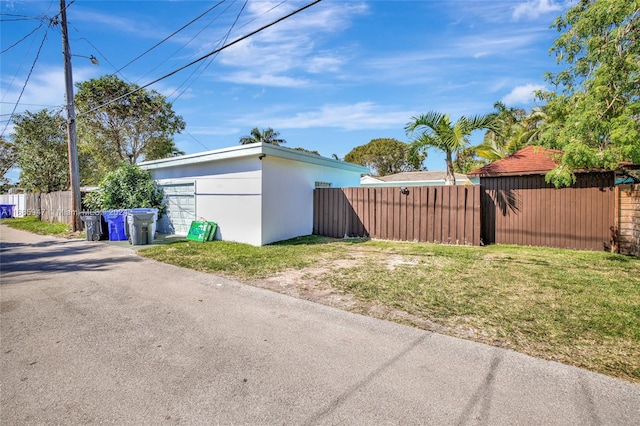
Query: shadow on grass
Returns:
{"type": "Point", "coordinates": [311, 240]}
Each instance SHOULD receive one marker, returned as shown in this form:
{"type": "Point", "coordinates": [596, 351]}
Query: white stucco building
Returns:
{"type": "Point", "coordinates": [257, 193]}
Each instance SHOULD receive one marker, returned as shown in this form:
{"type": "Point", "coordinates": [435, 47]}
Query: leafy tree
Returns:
{"type": "Point", "coordinates": [138, 125]}
{"type": "Point", "coordinates": [513, 129]}
{"type": "Point", "coordinates": [267, 135]}
{"type": "Point", "coordinates": [467, 160]}
{"type": "Point", "coordinates": [435, 130]}
{"type": "Point", "coordinates": [314, 152]}
{"type": "Point", "coordinates": [41, 145]}
{"type": "Point", "coordinates": [127, 187]}
{"type": "Point", "coordinates": [8, 158]}
{"type": "Point", "coordinates": [385, 156]}
{"type": "Point", "coordinates": [594, 109]}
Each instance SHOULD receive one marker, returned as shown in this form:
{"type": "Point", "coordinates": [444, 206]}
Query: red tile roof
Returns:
{"type": "Point", "coordinates": [528, 161]}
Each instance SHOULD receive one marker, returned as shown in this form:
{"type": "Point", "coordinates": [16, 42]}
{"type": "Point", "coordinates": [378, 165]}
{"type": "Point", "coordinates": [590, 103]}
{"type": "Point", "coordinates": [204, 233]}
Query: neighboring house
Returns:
{"type": "Point", "coordinates": [434, 178]}
{"type": "Point", "coordinates": [257, 193]}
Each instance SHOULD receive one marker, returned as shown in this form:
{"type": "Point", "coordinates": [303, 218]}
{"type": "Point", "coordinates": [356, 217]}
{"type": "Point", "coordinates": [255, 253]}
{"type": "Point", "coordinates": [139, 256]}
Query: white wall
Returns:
{"type": "Point", "coordinates": [227, 192]}
{"type": "Point", "coordinates": [287, 195]}
{"type": "Point", "coordinates": [257, 201]}
{"type": "Point", "coordinates": [19, 202]}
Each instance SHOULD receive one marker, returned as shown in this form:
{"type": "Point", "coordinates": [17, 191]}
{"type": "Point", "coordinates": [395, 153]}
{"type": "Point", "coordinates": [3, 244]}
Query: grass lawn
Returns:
{"type": "Point", "coordinates": [35, 225]}
{"type": "Point", "coordinates": [576, 307]}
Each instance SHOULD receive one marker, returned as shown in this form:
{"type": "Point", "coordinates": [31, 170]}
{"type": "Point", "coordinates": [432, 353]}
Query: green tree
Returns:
{"type": "Point", "coordinates": [267, 135]}
{"type": "Point", "coordinates": [8, 158]}
{"type": "Point", "coordinates": [385, 156]}
{"type": "Point", "coordinates": [308, 151]}
{"type": "Point", "coordinates": [137, 125]}
{"type": "Point", "coordinates": [435, 130]}
{"type": "Point", "coordinates": [467, 160]}
{"type": "Point", "coordinates": [513, 129]}
{"type": "Point", "coordinates": [127, 187]}
{"type": "Point", "coordinates": [594, 109]}
{"type": "Point", "coordinates": [41, 146]}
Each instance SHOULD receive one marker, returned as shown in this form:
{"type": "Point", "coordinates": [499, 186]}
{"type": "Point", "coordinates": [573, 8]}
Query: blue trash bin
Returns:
{"type": "Point", "coordinates": [6, 211]}
{"type": "Point", "coordinates": [116, 224]}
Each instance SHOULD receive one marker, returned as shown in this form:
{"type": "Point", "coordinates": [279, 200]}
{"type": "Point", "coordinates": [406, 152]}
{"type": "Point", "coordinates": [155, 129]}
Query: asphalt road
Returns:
{"type": "Point", "coordinates": [92, 333]}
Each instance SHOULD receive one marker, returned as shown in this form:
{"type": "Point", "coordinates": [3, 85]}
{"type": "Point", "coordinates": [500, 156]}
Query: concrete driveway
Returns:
{"type": "Point", "coordinates": [92, 333]}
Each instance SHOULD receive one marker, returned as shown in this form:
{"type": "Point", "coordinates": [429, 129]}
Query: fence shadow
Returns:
{"type": "Point", "coordinates": [312, 240]}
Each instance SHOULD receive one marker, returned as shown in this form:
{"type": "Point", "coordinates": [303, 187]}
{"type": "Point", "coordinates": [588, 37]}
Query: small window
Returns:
{"type": "Point", "coordinates": [323, 184]}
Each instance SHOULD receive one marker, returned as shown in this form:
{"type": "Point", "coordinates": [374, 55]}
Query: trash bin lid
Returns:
{"type": "Point", "coordinates": [140, 217]}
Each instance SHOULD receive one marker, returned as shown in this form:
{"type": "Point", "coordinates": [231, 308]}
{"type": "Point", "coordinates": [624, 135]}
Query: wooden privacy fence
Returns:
{"type": "Point", "coordinates": [442, 214]}
{"type": "Point", "coordinates": [525, 210]}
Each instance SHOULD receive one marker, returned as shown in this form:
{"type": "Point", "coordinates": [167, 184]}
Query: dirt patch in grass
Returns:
{"type": "Point", "coordinates": [543, 308]}
{"type": "Point", "coordinates": [308, 284]}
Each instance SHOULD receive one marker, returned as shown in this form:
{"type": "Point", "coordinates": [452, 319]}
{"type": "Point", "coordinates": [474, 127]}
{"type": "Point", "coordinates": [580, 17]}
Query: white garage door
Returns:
{"type": "Point", "coordinates": [181, 208]}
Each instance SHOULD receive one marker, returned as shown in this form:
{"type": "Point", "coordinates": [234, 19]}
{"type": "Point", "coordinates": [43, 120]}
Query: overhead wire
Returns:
{"type": "Point", "coordinates": [185, 44]}
{"type": "Point", "coordinates": [22, 39]}
{"type": "Point", "coordinates": [222, 41]}
{"type": "Point", "coordinates": [169, 36]}
{"type": "Point", "coordinates": [210, 60]}
{"type": "Point", "coordinates": [25, 83]}
{"type": "Point", "coordinates": [236, 41]}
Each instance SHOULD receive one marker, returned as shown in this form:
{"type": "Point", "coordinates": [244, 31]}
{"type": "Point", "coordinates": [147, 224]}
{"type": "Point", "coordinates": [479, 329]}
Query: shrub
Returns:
{"type": "Point", "coordinates": [127, 187]}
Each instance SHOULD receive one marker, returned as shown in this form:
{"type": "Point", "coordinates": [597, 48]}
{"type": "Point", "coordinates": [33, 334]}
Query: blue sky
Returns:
{"type": "Point", "coordinates": [330, 78]}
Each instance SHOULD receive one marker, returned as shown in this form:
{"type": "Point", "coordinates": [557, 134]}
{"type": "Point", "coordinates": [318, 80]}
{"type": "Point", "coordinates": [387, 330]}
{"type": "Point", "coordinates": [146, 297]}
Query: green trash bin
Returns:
{"type": "Point", "coordinates": [140, 228]}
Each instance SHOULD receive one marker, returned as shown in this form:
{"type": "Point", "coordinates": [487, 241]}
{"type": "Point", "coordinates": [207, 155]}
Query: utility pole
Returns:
{"type": "Point", "coordinates": [74, 169]}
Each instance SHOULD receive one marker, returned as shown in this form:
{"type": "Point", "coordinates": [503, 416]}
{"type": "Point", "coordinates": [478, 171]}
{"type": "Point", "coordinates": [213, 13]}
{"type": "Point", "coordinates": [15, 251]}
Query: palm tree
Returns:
{"type": "Point", "coordinates": [513, 130]}
{"type": "Point", "coordinates": [267, 135]}
{"type": "Point", "coordinates": [436, 131]}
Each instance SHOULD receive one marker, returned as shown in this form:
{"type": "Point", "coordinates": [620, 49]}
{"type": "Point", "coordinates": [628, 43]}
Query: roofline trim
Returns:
{"type": "Point", "coordinates": [251, 150]}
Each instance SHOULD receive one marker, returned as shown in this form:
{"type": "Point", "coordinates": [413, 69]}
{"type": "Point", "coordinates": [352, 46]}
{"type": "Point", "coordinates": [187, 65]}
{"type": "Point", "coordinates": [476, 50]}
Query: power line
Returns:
{"type": "Point", "coordinates": [222, 41]}
{"type": "Point", "coordinates": [100, 53]}
{"type": "Point", "coordinates": [23, 38]}
{"type": "Point", "coordinates": [195, 139]}
{"type": "Point", "coordinates": [25, 83]}
{"type": "Point", "coordinates": [34, 18]}
{"type": "Point", "coordinates": [171, 35]}
{"type": "Point", "coordinates": [184, 44]}
{"type": "Point", "coordinates": [236, 41]}
{"type": "Point", "coordinates": [38, 105]}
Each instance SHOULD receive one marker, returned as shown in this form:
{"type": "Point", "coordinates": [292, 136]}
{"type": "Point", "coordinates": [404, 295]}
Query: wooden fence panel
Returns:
{"type": "Point", "coordinates": [525, 210]}
{"type": "Point", "coordinates": [418, 214]}
{"type": "Point", "coordinates": [56, 207]}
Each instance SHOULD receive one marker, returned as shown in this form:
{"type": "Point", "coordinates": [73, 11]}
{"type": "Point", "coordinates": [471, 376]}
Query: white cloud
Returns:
{"type": "Point", "coordinates": [534, 8]}
{"type": "Point", "coordinates": [289, 46]}
{"type": "Point", "coordinates": [322, 64]}
{"type": "Point", "coordinates": [213, 130]}
{"type": "Point", "coordinates": [263, 79]}
{"type": "Point", "coordinates": [521, 94]}
{"type": "Point", "coordinates": [45, 89]}
{"type": "Point", "coordinates": [358, 116]}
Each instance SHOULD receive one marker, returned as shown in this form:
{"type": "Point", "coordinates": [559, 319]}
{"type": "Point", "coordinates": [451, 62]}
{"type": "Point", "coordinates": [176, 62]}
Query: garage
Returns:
{"type": "Point", "coordinates": [181, 208]}
{"type": "Point", "coordinates": [256, 193]}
